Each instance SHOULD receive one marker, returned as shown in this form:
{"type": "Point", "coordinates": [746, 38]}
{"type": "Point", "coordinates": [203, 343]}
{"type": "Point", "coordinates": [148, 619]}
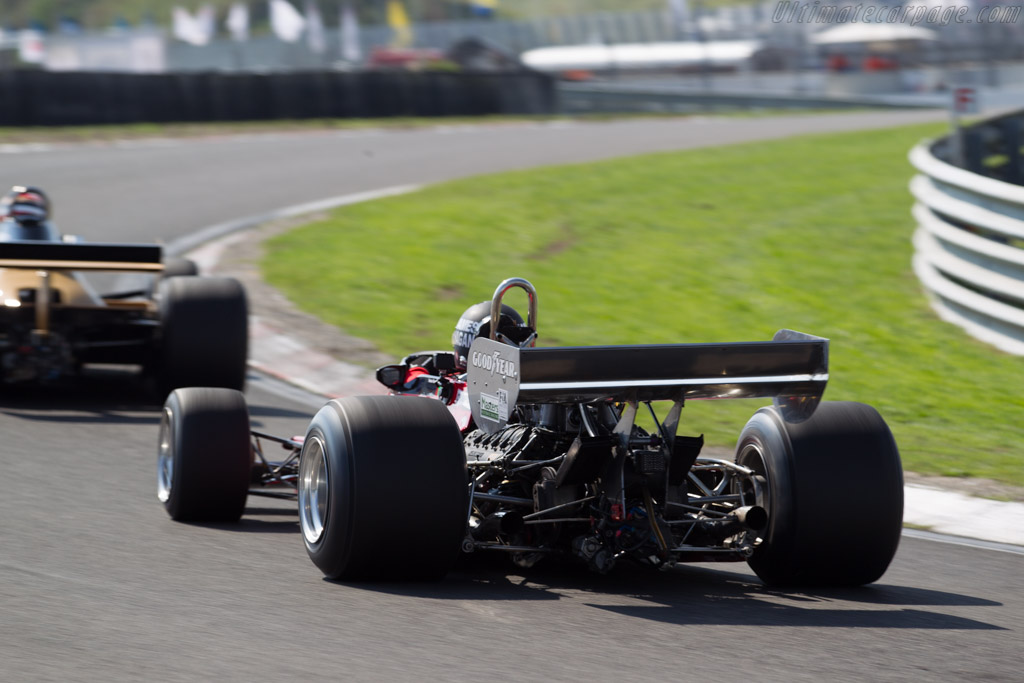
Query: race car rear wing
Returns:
{"type": "Point", "coordinates": [93, 256]}
{"type": "Point", "coordinates": [792, 369]}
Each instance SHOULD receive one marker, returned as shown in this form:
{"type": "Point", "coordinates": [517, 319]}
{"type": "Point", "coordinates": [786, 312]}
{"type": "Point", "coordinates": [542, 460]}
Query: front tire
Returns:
{"type": "Point", "coordinates": [834, 496]}
{"type": "Point", "coordinates": [204, 461]}
{"type": "Point", "coordinates": [383, 489]}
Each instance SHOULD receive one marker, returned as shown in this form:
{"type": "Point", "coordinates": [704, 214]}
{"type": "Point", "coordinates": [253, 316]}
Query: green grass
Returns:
{"type": "Point", "coordinates": [720, 244]}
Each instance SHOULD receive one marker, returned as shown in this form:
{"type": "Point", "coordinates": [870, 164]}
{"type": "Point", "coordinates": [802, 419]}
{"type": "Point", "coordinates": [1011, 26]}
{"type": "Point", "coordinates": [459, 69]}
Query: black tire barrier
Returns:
{"type": "Point", "coordinates": [42, 98]}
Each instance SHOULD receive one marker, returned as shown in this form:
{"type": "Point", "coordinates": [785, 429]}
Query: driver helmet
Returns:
{"type": "Point", "coordinates": [476, 322]}
{"type": "Point", "coordinates": [26, 205]}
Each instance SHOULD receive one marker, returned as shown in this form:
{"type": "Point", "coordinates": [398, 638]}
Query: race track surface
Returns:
{"type": "Point", "coordinates": [97, 584]}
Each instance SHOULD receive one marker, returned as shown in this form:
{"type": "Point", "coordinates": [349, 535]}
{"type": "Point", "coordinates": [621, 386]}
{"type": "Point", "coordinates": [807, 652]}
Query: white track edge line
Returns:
{"type": "Point", "coordinates": [218, 230]}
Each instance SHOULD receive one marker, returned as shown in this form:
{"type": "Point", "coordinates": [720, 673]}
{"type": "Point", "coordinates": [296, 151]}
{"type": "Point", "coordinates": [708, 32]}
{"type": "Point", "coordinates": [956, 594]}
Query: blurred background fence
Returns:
{"type": "Point", "coordinates": [650, 55]}
{"type": "Point", "coordinates": [969, 245]}
{"type": "Point", "coordinates": [954, 42]}
{"type": "Point", "coordinates": [42, 98]}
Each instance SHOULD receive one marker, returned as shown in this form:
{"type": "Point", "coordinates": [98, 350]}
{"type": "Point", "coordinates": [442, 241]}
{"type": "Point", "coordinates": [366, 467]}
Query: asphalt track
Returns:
{"type": "Point", "coordinates": [96, 583]}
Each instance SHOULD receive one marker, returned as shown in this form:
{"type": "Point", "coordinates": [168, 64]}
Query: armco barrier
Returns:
{"type": "Point", "coordinates": [42, 98]}
{"type": "Point", "coordinates": [624, 96]}
{"type": "Point", "coordinates": [969, 244]}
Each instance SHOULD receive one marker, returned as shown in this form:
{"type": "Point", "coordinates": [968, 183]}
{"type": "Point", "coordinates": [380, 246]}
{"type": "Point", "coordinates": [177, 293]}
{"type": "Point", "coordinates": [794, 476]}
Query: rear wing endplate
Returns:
{"type": "Point", "coordinates": [30, 255]}
{"type": "Point", "coordinates": [792, 369]}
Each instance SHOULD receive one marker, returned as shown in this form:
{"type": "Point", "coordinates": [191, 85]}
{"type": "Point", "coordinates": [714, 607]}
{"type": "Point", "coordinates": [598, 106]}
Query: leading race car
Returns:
{"type": "Point", "coordinates": [536, 452]}
{"type": "Point", "coordinates": [181, 329]}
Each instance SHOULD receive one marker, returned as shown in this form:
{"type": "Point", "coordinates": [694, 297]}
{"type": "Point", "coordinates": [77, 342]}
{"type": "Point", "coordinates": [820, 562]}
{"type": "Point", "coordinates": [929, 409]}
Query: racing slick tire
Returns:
{"type": "Point", "coordinates": [175, 266]}
{"type": "Point", "coordinates": [383, 492]}
{"type": "Point", "coordinates": [204, 457]}
{"type": "Point", "coordinates": [204, 333]}
{"type": "Point", "coordinates": [834, 495]}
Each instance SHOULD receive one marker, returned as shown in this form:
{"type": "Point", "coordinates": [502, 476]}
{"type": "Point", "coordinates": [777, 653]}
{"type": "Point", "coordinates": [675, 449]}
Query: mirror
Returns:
{"type": "Point", "coordinates": [391, 376]}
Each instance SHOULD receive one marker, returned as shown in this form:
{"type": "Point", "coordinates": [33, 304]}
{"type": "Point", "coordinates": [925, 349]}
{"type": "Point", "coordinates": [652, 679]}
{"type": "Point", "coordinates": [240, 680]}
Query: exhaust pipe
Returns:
{"type": "Point", "coordinates": [753, 517]}
{"type": "Point", "coordinates": [748, 518]}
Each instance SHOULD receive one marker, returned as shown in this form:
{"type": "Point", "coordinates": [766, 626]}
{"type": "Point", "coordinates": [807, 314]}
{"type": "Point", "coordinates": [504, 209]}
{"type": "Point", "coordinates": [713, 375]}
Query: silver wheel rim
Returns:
{"type": "Point", "coordinates": [752, 457]}
{"type": "Point", "coordinates": [165, 459]}
{"type": "Point", "coordinates": [314, 490]}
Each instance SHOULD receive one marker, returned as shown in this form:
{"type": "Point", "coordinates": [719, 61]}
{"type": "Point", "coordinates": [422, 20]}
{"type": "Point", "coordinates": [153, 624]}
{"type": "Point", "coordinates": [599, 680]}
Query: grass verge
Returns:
{"type": "Point", "coordinates": [719, 244]}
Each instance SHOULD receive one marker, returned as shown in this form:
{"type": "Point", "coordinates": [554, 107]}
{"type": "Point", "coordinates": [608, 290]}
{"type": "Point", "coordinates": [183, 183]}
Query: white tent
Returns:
{"type": "Point", "coordinates": [872, 33]}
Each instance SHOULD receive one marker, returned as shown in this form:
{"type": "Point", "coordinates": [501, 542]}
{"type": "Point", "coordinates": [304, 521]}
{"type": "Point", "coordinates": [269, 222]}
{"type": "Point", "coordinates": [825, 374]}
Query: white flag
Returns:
{"type": "Point", "coordinates": [183, 26]}
{"type": "Point", "coordinates": [237, 22]}
{"type": "Point", "coordinates": [206, 20]}
{"type": "Point", "coordinates": [197, 30]}
{"type": "Point", "coordinates": [350, 50]}
{"type": "Point", "coordinates": [286, 21]}
{"type": "Point", "coordinates": [315, 28]}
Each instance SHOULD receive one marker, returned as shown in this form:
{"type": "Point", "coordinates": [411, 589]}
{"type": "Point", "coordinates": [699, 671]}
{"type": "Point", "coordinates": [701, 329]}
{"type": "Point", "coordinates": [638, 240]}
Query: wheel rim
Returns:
{"type": "Point", "coordinates": [314, 490]}
{"type": "Point", "coordinates": [752, 456]}
{"type": "Point", "coordinates": [165, 459]}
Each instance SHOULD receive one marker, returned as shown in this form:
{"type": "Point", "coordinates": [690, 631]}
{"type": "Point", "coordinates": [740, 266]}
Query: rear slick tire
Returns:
{"type": "Point", "coordinates": [204, 334]}
{"type": "Point", "coordinates": [834, 496]}
{"type": "Point", "coordinates": [383, 491]}
{"type": "Point", "coordinates": [204, 457]}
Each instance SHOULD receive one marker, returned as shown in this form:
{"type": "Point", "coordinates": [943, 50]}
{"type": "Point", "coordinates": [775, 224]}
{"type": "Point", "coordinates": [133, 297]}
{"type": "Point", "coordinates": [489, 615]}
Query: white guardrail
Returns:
{"type": "Point", "coordinates": [969, 248]}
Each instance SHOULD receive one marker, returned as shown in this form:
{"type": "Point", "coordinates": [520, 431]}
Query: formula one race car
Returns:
{"type": "Point", "coordinates": [536, 452]}
{"type": "Point", "coordinates": [179, 328]}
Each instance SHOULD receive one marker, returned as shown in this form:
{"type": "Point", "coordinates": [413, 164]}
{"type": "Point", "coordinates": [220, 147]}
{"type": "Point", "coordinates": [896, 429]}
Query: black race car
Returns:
{"type": "Point", "coordinates": [537, 452]}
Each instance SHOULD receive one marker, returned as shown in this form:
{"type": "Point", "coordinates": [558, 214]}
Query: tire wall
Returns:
{"type": "Point", "coordinates": [42, 98]}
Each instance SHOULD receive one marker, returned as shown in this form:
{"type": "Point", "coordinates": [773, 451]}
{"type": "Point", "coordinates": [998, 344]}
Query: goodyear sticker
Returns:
{"type": "Point", "coordinates": [493, 382]}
